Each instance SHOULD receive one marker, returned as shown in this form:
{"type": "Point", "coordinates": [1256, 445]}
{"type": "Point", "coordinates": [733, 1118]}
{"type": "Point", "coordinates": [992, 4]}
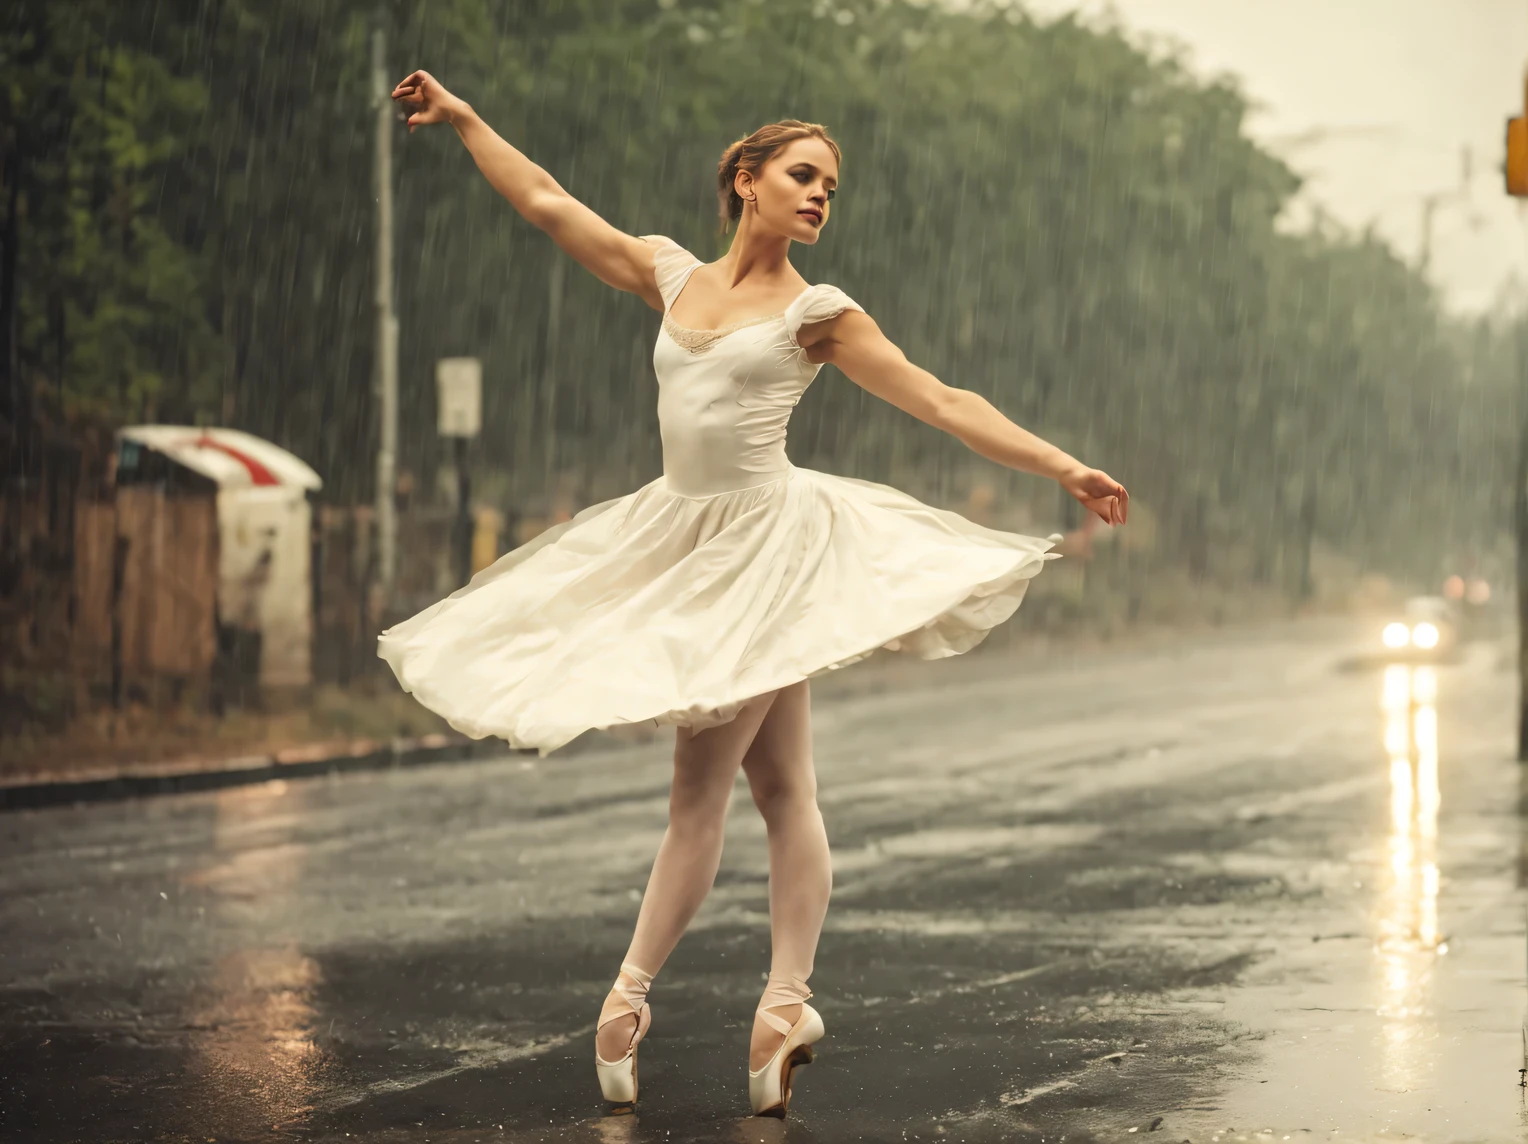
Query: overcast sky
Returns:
{"type": "Point", "coordinates": [1404, 86]}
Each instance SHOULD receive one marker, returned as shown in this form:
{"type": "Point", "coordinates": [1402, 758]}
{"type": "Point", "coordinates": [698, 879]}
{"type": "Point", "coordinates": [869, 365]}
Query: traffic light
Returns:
{"type": "Point", "coordinates": [1517, 151]}
{"type": "Point", "coordinates": [1517, 156]}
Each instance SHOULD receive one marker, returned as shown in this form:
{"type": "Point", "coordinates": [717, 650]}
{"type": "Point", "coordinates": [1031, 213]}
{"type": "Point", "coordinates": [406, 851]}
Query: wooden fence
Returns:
{"type": "Point", "coordinates": [109, 594]}
{"type": "Point", "coordinates": [145, 593]}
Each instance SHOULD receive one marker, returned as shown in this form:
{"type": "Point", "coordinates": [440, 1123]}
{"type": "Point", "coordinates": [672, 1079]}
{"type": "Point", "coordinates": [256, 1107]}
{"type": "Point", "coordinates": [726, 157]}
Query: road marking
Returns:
{"type": "Point", "coordinates": [1013, 1100]}
{"type": "Point", "coordinates": [474, 1059]}
{"type": "Point", "coordinates": [1330, 792]}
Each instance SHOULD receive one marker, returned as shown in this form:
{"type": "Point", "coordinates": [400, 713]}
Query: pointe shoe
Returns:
{"type": "Point", "coordinates": [618, 1079]}
{"type": "Point", "coordinates": [769, 1088]}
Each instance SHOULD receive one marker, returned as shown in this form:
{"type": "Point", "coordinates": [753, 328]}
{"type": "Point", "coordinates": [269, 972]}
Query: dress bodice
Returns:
{"type": "Point", "coordinates": [725, 396]}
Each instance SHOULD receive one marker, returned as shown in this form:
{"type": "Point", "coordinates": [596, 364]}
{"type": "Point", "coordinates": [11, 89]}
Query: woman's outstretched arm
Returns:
{"type": "Point", "coordinates": [854, 343]}
{"type": "Point", "coordinates": [611, 255]}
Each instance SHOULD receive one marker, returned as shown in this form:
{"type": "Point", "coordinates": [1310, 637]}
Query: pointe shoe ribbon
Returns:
{"type": "Point", "coordinates": [769, 1088]}
{"type": "Point", "coordinates": [780, 991]}
{"type": "Point", "coordinates": [618, 1079]}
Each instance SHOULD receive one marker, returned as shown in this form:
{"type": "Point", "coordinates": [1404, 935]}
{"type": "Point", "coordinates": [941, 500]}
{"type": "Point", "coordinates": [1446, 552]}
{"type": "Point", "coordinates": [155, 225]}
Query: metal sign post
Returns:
{"type": "Point", "coordinates": [459, 386]}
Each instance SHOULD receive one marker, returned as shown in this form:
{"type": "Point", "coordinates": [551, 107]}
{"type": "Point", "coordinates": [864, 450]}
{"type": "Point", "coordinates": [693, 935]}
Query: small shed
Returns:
{"type": "Point", "coordinates": [264, 594]}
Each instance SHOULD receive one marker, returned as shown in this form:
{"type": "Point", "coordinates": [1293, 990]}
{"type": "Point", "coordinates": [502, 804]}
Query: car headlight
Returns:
{"type": "Point", "coordinates": [1396, 635]}
{"type": "Point", "coordinates": [1425, 635]}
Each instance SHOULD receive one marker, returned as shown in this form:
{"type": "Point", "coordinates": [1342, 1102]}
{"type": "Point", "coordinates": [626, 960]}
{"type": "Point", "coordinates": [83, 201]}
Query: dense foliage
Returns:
{"type": "Point", "coordinates": [1050, 214]}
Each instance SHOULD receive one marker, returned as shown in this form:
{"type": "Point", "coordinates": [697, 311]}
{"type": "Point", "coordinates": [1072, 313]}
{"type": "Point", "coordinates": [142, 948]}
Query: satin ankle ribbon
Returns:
{"type": "Point", "coordinates": [634, 995]}
{"type": "Point", "coordinates": [783, 989]}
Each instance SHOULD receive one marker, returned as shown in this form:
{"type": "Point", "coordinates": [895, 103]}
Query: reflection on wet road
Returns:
{"type": "Point", "coordinates": [1407, 940]}
{"type": "Point", "coordinates": [256, 1009]}
{"type": "Point", "coordinates": [1217, 889]}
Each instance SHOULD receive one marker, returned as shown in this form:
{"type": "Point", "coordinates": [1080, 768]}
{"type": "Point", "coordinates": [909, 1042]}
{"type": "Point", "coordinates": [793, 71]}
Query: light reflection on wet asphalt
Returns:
{"type": "Point", "coordinates": [1218, 888]}
{"type": "Point", "coordinates": [1408, 944]}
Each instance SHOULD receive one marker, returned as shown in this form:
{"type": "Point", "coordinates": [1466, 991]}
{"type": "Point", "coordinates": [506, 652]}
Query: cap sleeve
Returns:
{"type": "Point", "coordinates": [817, 304]}
{"type": "Point", "coordinates": [672, 265]}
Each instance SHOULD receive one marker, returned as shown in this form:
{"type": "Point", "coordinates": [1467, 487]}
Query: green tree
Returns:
{"type": "Point", "coordinates": [1050, 213]}
{"type": "Point", "coordinates": [105, 310]}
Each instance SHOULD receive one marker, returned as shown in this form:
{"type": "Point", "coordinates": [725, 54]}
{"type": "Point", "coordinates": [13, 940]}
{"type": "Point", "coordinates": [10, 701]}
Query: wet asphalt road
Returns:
{"type": "Point", "coordinates": [1219, 889]}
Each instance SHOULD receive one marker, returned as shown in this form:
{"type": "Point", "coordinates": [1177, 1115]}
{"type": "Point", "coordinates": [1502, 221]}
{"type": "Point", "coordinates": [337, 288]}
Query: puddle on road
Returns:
{"type": "Point", "coordinates": [1409, 1033]}
{"type": "Point", "coordinates": [222, 1048]}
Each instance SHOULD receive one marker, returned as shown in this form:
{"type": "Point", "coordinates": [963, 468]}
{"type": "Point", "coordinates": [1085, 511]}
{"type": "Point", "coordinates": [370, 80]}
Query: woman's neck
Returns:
{"type": "Point", "coordinates": [756, 252]}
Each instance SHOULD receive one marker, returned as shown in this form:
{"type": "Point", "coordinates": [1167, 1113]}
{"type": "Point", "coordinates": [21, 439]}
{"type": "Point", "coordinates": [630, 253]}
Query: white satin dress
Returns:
{"type": "Point", "coordinates": [731, 575]}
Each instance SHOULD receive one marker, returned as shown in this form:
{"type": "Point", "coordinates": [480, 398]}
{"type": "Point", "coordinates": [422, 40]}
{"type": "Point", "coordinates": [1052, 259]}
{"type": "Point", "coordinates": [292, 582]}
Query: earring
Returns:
{"type": "Point", "coordinates": [752, 198]}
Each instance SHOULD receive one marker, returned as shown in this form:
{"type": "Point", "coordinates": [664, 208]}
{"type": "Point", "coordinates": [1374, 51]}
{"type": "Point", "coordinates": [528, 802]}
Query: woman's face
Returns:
{"type": "Point", "coordinates": [792, 189]}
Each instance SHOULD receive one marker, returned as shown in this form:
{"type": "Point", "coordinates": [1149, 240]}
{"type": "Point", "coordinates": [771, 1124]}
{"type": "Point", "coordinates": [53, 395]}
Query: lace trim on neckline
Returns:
{"type": "Point", "coordinates": [697, 340]}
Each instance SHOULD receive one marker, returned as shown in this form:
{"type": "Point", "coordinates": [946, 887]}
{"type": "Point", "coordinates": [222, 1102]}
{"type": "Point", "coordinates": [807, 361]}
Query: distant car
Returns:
{"type": "Point", "coordinates": [1427, 629]}
{"type": "Point", "coordinates": [1480, 614]}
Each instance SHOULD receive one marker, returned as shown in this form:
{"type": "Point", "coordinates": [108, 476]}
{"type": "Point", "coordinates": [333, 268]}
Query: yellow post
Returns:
{"type": "Point", "coordinates": [487, 525]}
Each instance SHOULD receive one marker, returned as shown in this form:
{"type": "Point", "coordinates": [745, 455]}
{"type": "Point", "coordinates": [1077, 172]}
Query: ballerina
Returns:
{"type": "Point", "coordinates": [708, 598]}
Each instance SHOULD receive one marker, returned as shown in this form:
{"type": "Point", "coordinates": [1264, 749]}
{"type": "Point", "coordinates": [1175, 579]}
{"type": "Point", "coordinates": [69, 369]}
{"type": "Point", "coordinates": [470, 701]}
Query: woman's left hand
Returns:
{"type": "Point", "coordinates": [426, 99]}
{"type": "Point", "coordinates": [1099, 493]}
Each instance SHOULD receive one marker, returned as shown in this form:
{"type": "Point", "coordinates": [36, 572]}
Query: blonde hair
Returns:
{"type": "Point", "coordinates": [751, 152]}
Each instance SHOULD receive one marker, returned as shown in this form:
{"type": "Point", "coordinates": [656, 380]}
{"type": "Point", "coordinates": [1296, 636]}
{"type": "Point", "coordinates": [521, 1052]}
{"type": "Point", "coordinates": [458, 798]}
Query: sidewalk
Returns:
{"type": "Point", "coordinates": [183, 775]}
{"type": "Point", "coordinates": [213, 771]}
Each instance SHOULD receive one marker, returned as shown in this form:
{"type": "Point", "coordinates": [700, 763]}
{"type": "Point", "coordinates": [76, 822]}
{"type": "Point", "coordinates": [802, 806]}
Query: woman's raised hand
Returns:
{"type": "Point", "coordinates": [1099, 493]}
{"type": "Point", "coordinates": [426, 100]}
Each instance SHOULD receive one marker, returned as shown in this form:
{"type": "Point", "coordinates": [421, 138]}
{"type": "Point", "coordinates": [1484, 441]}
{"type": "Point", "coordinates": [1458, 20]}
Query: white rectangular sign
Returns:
{"type": "Point", "coordinates": [459, 382]}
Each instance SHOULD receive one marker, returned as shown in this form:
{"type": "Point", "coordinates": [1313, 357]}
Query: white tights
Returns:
{"type": "Point", "coordinates": [771, 739]}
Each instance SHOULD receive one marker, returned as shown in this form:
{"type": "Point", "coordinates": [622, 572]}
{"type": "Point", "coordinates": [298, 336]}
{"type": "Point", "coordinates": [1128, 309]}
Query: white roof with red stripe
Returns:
{"type": "Point", "coordinates": [227, 456]}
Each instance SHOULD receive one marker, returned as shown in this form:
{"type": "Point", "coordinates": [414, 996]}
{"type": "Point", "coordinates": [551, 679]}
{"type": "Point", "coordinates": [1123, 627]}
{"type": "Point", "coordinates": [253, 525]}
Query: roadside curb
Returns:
{"type": "Point", "coordinates": [201, 775]}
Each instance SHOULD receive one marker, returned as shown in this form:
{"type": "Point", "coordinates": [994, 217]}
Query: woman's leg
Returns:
{"type": "Point", "coordinates": [705, 767]}
{"type": "Point", "coordinates": [783, 779]}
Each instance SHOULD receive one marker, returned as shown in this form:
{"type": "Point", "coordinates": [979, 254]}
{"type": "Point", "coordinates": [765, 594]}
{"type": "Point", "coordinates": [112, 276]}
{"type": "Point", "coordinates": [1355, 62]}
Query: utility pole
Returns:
{"type": "Point", "coordinates": [1431, 203]}
{"type": "Point", "coordinates": [1306, 585]}
{"type": "Point", "coordinates": [1515, 170]}
{"type": "Point", "coordinates": [387, 328]}
{"type": "Point", "coordinates": [1520, 522]}
{"type": "Point", "coordinates": [1424, 246]}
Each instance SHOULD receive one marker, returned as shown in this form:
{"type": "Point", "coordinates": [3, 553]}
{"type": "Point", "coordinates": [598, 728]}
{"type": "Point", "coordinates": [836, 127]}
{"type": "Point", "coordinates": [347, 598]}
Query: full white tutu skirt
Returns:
{"type": "Point", "coordinates": [666, 609]}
